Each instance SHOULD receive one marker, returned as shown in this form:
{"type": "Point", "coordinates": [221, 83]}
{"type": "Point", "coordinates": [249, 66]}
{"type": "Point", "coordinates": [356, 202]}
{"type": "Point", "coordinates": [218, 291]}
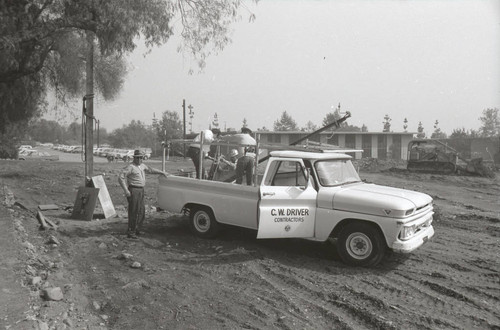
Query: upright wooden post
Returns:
{"type": "Point", "coordinates": [163, 146]}
{"type": "Point", "coordinates": [200, 167]}
{"type": "Point", "coordinates": [256, 160]}
{"type": "Point", "coordinates": [184, 126]}
{"type": "Point", "coordinates": [89, 115]}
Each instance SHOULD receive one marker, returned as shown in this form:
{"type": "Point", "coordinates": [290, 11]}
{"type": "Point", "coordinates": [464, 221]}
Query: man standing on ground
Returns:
{"type": "Point", "coordinates": [132, 179]}
{"type": "Point", "coordinates": [244, 167]}
{"type": "Point", "coordinates": [194, 149]}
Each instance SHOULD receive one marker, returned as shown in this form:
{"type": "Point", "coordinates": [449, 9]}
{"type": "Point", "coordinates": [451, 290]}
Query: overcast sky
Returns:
{"type": "Point", "coordinates": [423, 60]}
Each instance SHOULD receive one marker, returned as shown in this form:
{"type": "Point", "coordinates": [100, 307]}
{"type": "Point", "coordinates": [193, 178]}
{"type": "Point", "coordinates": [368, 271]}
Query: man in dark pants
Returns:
{"type": "Point", "coordinates": [132, 180]}
{"type": "Point", "coordinates": [244, 166]}
{"type": "Point", "coordinates": [193, 151]}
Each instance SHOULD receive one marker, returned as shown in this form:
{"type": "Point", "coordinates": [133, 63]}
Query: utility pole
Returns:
{"type": "Point", "coordinates": [89, 113]}
{"type": "Point", "coordinates": [215, 121]}
{"type": "Point", "coordinates": [184, 125]}
{"type": "Point", "coordinates": [154, 125]}
{"type": "Point", "coordinates": [191, 115]}
{"type": "Point", "coordinates": [97, 124]}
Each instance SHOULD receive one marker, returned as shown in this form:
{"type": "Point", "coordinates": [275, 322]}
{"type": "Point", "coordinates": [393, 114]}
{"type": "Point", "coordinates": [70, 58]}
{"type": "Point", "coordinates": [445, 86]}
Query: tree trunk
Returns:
{"type": "Point", "coordinates": [89, 117]}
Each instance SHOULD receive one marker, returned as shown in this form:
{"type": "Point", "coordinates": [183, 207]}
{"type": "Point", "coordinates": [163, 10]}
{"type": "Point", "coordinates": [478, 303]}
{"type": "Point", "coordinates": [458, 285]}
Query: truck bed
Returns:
{"type": "Point", "coordinates": [231, 203]}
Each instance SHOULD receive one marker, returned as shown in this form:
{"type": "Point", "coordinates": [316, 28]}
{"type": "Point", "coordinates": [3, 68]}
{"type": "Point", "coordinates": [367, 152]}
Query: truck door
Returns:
{"type": "Point", "coordinates": [287, 206]}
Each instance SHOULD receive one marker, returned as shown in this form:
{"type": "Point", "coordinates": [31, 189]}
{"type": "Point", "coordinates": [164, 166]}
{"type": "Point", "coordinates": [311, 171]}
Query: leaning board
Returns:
{"type": "Point", "coordinates": [85, 203]}
{"type": "Point", "coordinates": [104, 198]}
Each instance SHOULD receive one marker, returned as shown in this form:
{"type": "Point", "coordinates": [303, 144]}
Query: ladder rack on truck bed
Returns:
{"type": "Point", "coordinates": [247, 141]}
{"type": "Point", "coordinates": [262, 151]}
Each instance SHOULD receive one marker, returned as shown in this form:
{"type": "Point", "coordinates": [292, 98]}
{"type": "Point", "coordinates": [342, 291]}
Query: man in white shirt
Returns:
{"type": "Point", "coordinates": [132, 180]}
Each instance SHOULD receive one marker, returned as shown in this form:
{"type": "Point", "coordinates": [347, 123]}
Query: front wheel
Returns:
{"type": "Point", "coordinates": [361, 244]}
{"type": "Point", "coordinates": [203, 223]}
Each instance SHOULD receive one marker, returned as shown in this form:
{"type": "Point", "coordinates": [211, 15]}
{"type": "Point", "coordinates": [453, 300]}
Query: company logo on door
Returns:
{"type": "Point", "coordinates": [290, 214]}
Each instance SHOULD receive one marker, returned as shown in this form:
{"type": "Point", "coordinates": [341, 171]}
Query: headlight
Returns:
{"type": "Point", "coordinates": [408, 212]}
{"type": "Point", "coordinates": [407, 232]}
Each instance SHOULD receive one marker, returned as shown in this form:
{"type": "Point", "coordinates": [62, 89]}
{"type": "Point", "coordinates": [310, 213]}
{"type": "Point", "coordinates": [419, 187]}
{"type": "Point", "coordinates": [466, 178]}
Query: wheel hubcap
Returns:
{"type": "Point", "coordinates": [202, 222]}
{"type": "Point", "coordinates": [359, 246]}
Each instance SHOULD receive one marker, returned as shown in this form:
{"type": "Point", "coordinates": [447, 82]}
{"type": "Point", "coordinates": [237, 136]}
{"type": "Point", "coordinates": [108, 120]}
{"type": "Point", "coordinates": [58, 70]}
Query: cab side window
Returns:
{"type": "Point", "coordinates": [289, 173]}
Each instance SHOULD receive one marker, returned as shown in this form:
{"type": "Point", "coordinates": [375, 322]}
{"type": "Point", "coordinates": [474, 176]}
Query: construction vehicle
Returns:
{"type": "Point", "coordinates": [434, 156]}
{"type": "Point", "coordinates": [431, 156]}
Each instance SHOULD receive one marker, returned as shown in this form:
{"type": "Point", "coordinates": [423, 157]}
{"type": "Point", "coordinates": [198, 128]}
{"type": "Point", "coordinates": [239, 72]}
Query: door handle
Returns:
{"type": "Point", "coordinates": [268, 194]}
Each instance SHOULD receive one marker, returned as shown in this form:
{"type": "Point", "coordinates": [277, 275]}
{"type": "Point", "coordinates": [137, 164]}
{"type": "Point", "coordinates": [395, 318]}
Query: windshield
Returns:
{"type": "Point", "coordinates": [336, 172]}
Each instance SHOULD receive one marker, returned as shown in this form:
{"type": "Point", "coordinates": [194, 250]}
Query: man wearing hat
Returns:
{"type": "Point", "coordinates": [132, 179]}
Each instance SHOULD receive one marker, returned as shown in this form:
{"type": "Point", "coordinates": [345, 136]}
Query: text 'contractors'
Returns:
{"type": "Point", "coordinates": [289, 219]}
{"type": "Point", "coordinates": [290, 215]}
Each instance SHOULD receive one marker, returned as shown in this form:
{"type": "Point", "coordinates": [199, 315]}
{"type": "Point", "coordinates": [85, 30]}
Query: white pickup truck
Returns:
{"type": "Point", "coordinates": [308, 195]}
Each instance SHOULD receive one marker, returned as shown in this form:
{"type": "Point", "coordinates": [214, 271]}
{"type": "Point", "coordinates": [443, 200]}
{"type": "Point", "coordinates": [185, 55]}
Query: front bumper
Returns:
{"type": "Point", "coordinates": [413, 243]}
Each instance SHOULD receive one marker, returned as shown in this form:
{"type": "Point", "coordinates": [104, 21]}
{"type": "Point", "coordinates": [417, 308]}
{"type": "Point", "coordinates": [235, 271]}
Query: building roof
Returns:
{"type": "Point", "coordinates": [336, 133]}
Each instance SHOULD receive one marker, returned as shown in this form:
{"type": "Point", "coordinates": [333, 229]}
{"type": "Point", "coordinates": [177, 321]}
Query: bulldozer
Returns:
{"type": "Point", "coordinates": [433, 156]}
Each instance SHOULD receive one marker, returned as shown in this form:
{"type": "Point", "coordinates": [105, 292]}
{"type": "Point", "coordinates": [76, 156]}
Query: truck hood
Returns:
{"type": "Point", "coordinates": [379, 200]}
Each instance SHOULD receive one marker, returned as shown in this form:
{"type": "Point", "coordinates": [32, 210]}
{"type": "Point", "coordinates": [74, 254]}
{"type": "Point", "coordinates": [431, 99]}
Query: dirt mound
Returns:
{"type": "Point", "coordinates": [372, 165]}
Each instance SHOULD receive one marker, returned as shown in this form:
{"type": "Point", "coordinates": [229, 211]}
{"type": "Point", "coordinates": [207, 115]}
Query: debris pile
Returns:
{"type": "Point", "coordinates": [378, 165]}
{"type": "Point", "coordinates": [476, 167]}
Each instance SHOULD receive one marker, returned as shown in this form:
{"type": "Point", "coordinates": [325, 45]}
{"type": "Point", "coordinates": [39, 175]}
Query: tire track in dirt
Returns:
{"type": "Point", "coordinates": [286, 287]}
{"type": "Point", "coordinates": [425, 307]}
{"type": "Point", "coordinates": [459, 274]}
{"type": "Point", "coordinates": [434, 283]}
{"type": "Point", "coordinates": [298, 289]}
{"type": "Point", "coordinates": [298, 300]}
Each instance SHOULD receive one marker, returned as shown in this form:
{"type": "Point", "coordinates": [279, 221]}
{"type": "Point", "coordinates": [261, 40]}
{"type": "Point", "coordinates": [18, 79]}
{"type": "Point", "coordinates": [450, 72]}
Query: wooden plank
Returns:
{"type": "Point", "coordinates": [48, 207]}
{"type": "Point", "coordinates": [21, 205]}
{"type": "Point", "coordinates": [104, 197]}
{"type": "Point", "coordinates": [85, 203]}
{"type": "Point", "coordinates": [47, 220]}
{"type": "Point", "coordinates": [41, 219]}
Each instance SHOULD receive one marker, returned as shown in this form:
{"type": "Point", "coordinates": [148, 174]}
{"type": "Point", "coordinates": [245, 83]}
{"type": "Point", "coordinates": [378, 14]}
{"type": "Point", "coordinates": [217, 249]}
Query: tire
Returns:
{"type": "Point", "coordinates": [361, 244]}
{"type": "Point", "coordinates": [449, 168]}
{"type": "Point", "coordinates": [203, 223]}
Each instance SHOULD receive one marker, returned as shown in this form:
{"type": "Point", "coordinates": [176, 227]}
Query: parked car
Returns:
{"type": "Point", "coordinates": [147, 152]}
{"type": "Point", "coordinates": [36, 155]}
{"type": "Point", "coordinates": [104, 152]}
{"type": "Point", "coordinates": [68, 148]}
{"type": "Point", "coordinates": [25, 147]}
{"type": "Point", "coordinates": [128, 156]}
{"type": "Point", "coordinates": [120, 154]}
{"type": "Point", "coordinates": [113, 154]}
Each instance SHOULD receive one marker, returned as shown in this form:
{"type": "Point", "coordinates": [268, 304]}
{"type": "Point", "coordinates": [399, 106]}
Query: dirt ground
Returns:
{"type": "Point", "coordinates": [236, 281]}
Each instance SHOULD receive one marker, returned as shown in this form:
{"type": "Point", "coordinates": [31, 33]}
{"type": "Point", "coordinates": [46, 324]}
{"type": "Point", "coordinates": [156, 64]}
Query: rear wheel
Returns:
{"type": "Point", "coordinates": [361, 244]}
{"type": "Point", "coordinates": [449, 168]}
{"type": "Point", "coordinates": [203, 223]}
